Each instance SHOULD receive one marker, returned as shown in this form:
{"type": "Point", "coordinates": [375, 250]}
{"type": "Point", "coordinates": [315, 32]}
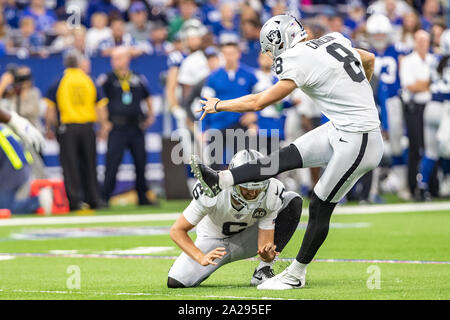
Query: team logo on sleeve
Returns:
{"type": "Point", "coordinates": [259, 213]}
{"type": "Point", "coordinates": [274, 36]}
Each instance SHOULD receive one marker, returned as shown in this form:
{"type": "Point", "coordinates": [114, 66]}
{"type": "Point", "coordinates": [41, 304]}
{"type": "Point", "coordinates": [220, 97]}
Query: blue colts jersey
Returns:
{"type": "Point", "coordinates": [440, 83]}
{"type": "Point", "coordinates": [386, 69]}
{"type": "Point", "coordinates": [175, 59]}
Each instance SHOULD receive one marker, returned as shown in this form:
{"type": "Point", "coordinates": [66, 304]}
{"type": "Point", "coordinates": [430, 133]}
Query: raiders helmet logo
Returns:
{"type": "Point", "coordinates": [274, 36]}
{"type": "Point", "coordinates": [259, 213]}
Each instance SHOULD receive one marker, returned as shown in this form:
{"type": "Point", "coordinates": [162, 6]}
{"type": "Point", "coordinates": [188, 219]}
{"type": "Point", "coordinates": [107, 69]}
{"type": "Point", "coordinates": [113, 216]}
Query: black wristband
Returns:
{"type": "Point", "coordinates": [215, 105]}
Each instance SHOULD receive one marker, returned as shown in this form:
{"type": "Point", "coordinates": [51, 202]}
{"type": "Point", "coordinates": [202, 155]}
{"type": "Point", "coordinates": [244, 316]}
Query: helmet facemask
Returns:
{"type": "Point", "coordinates": [243, 194]}
{"type": "Point", "coordinates": [249, 194]}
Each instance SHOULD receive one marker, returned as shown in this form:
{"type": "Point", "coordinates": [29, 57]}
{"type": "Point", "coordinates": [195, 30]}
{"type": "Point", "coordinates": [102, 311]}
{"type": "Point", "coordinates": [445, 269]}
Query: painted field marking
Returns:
{"type": "Point", "coordinates": [125, 256]}
{"type": "Point", "coordinates": [6, 257]}
{"type": "Point", "coordinates": [17, 221]}
{"type": "Point", "coordinates": [141, 294]}
{"type": "Point", "coordinates": [126, 218]}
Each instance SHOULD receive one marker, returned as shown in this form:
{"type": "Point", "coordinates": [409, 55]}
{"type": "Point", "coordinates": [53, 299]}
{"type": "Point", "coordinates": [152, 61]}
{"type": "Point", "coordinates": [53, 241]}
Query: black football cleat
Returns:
{"type": "Point", "coordinates": [261, 275]}
{"type": "Point", "coordinates": [209, 178]}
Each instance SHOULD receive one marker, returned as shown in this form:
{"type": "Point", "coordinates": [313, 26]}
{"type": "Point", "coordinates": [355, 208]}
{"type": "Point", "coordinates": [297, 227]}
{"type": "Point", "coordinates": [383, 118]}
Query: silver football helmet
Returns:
{"type": "Point", "coordinates": [379, 29]}
{"type": "Point", "coordinates": [240, 158]}
{"type": "Point", "coordinates": [445, 42]}
{"type": "Point", "coordinates": [192, 28]}
{"type": "Point", "coordinates": [280, 33]}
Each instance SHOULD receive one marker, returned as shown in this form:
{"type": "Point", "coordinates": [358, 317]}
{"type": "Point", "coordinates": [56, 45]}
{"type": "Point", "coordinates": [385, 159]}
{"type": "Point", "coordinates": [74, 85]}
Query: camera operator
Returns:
{"type": "Point", "coordinates": [21, 126]}
{"type": "Point", "coordinates": [23, 98]}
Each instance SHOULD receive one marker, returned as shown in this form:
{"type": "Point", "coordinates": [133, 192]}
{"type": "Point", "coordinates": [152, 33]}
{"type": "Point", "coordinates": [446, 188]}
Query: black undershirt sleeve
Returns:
{"type": "Point", "coordinates": [285, 159]}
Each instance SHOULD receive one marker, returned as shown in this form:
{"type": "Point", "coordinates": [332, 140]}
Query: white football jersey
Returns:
{"type": "Point", "coordinates": [219, 218]}
{"type": "Point", "coordinates": [331, 73]}
{"type": "Point", "coordinates": [193, 69]}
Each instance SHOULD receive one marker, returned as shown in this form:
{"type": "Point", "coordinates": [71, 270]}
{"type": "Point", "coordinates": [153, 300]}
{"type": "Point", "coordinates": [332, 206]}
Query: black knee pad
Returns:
{"type": "Point", "coordinates": [172, 283]}
{"type": "Point", "coordinates": [320, 210]}
{"type": "Point", "coordinates": [295, 208]}
{"type": "Point", "coordinates": [286, 222]}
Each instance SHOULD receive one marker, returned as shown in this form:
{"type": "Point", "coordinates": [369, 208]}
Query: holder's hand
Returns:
{"type": "Point", "coordinates": [209, 258]}
{"type": "Point", "coordinates": [208, 106]}
{"type": "Point", "coordinates": [267, 253]}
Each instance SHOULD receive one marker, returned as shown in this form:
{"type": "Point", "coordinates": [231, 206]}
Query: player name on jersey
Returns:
{"type": "Point", "coordinates": [316, 43]}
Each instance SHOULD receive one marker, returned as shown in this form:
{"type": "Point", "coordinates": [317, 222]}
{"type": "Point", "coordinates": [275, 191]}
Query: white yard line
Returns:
{"type": "Point", "coordinates": [9, 255]}
{"type": "Point", "coordinates": [139, 294]}
{"type": "Point", "coordinates": [89, 219]}
{"type": "Point", "coordinates": [340, 210]}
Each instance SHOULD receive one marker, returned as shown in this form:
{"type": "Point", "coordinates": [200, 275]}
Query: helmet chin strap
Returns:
{"type": "Point", "coordinates": [249, 204]}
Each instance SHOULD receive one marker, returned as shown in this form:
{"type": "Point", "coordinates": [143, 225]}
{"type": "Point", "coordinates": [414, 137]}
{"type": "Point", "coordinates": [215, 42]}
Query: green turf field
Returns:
{"type": "Point", "coordinates": [125, 260]}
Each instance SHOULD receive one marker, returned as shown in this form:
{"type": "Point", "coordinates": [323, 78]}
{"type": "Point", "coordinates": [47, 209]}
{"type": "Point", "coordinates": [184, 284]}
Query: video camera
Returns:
{"type": "Point", "coordinates": [20, 73]}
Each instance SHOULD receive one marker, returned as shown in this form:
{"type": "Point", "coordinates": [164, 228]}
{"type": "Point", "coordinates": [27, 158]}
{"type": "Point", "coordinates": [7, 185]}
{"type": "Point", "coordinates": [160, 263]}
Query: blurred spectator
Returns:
{"type": "Point", "coordinates": [247, 12]}
{"type": "Point", "coordinates": [4, 28]}
{"type": "Point", "coordinates": [446, 9]}
{"type": "Point", "coordinates": [119, 38]}
{"type": "Point", "coordinates": [436, 140]}
{"type": "Point", "coordinates": [43, 18]}
{"type": "Point", "coordinates": [210, 12]}
{"type": "Point", "coordinates": [393, 9]}
{"type": "Point", "coordinates": [195, 66]}
{"type": "Point", "coordinates": [187, 10]}
{"type": "Point", "coordinates": [79, 42]}
{"type": "Point", "coordinates": [139, 27]}
{"type": "Point", "coordinates": [250, 32]}
{"type": "Point", "coordinates": [430, 10]}
{"type": "Point", "coordinates": [386, 93]}
{"type": "Point", "coordinates": [172, 92]}
{"type": "Point", "coordinates": [122, 5]}
{"type": "Point", "coordinates": [355, 15]}
{"type": "Point", "coordinates": [271, 119]}
{"type": "Point", "coordinates": [11, 13]}
{"type": "Point", "coordinates": [229, 21]}
{"type": "Point", "coordinates": [411, 24]}
{"type": "Point", "coordinates": [436, 31]}
{"type": "Point", "coordinates": [25, 41]}
{"type": "Point", "coordinates": [158, 39]}
{"type": "Point", "coordinates": [415, 81]}
{"type": "Point", "coordinates": [336, 24]}
{"type": "Point", "coordinates": [190, 104]}
{"type": "Point", "coordinates": [64, 38]}
{"type": "Point", "coordinates": [228, 82]}
{"type": "Point", "coordinates": [104, 6]}
{"type": "Point", "coordinates": [125, 91]}
{"type": "Point", "coordinates": [186, 115]}
{"type": "Point", "coordinates": [73, 104]}
{"type": "Point", "coordinates": [98, 31]}
{"type": "Point", "coordinates": [279, 7]}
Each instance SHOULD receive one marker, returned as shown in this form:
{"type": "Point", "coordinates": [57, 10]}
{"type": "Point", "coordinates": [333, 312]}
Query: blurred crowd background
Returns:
{"type": "Point", "coordinates": [139, 68]}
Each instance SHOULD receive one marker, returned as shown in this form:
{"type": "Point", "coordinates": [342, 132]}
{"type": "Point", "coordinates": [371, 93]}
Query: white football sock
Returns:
{"type": "Point", "coordinates": [225, 179]}
{"type": "Point", "coordinates": [263, 264]}
{"type": "Point", "coordinates": [297, 269]}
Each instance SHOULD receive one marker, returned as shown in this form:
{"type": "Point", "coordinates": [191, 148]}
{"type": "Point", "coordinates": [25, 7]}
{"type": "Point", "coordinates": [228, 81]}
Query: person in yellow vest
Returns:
{"type": "Point", "coordinates": [74, 106]}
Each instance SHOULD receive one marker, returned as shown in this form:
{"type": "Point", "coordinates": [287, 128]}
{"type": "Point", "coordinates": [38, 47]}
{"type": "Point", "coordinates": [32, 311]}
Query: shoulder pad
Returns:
{"type": "Point", "coordinates": [275, 195]}
{"type": "Point", "coordinates": [201, 197]}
